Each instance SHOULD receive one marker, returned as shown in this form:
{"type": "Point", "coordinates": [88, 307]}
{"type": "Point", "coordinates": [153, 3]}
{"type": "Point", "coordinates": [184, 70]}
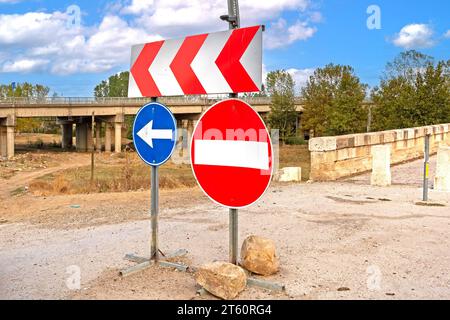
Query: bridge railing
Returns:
{"type": "Point", "coordinates": [183, 100]}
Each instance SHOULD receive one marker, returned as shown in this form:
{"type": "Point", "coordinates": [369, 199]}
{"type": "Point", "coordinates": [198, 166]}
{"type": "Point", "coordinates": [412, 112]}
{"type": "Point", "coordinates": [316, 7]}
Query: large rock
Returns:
{"type": "Point", "coordinates": [258, 255]}
{"type": "Point", "coordinates": [222, 279]}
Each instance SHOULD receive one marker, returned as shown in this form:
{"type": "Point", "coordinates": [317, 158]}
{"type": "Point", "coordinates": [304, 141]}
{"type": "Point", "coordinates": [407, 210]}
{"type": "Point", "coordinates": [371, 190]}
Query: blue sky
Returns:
{"type": "Point", "coordinates": [38, 45]}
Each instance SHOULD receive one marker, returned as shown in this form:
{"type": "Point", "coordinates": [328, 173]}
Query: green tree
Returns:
{"type": "Point", "coordinates": [333, 99]}
{"type": "Point", "coordinates": [24, 90]}
{"type": "Point", "coordinates": [282, 115]}
{"type": "Point", "coordinates": [415, 91]}
{"type": "Point", "coordinates": [115, 86]}
{"type": "Point", "coordinates": [28, 90]}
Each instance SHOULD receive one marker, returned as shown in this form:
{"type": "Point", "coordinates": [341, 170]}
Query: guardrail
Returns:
{"type": "Point", "coordinates": [187, 100]}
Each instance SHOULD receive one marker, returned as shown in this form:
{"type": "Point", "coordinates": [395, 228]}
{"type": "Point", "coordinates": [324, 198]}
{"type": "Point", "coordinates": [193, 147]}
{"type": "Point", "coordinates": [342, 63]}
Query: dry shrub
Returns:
{"type": "Point", "coordinates": [41, 188]}
{"type": "Point", "coordinates": [60, 185]}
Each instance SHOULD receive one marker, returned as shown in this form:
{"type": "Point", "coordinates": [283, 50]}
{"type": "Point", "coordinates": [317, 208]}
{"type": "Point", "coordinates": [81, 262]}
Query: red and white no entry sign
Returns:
{"type": "Point", "coordinates": [231, 154]}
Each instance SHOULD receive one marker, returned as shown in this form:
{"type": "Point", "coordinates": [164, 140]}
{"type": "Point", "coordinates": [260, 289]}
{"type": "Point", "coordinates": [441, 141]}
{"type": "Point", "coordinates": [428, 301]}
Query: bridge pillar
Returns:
{"type": "Point", "coordinates": [98, 140]}
{"type": "Point", "coordinates": [67, 135]}
{"type": "Point", "coordinates": [3, 142]}
{"type": "Point", "coordinates": [107, 137]}
{"type": "Point", "coordinates": [190, 131]}
{"type": "Point", "coordinates": [117, 137]}
{"type": "Point", "coordinates": [81, 136]}
{"type": "Point", "coordinates": [7, 127]}
{"type": "Point", "coordinates": [118, 122]}
{"type": "Point", "coordinates": [90, 139]}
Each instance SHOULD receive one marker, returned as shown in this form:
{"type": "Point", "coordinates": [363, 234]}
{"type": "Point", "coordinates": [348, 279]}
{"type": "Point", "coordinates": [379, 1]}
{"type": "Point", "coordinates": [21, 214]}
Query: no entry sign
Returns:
{"type": "Point", "coordinates": [231, 154]}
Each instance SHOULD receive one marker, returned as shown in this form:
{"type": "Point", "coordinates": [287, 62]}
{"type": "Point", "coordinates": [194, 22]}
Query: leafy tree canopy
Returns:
{"type": "Point", "coordinates": [333, 99]}
{"type": "Point", "coordinates": [415, 91]}
{"type": "Point", "coordinates": [115, 86]}
{"type": "Point", "coordinates": [283, 115]}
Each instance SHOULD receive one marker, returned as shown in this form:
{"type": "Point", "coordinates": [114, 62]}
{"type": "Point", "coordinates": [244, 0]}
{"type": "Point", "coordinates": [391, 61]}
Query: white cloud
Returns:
{"type": "Point", "coordinates": [42, 41]}
{"type": "Point", "coordinates": [281, 34]}
{"type": "Point", "coordinates": [137, 7]}
{"type": "Point", "coordinates": [177, 18]}
{"type": "Point", "coordinates": [447, 34]}
{"type": "Point", "coordinates": [414, 36]}
{"type": "Point", "coordinates": [35, 37]}
{"type": "Point", "coordinates": [301, 77]}
{"type": "Point", "coordinates": [9, 1]}
{"type": "Point", "coordinates": [24, 65]}
{"type": "Point", "coordinates": [316, 17]}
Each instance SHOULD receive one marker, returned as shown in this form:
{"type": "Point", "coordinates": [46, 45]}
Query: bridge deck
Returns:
{"type": "Point", "coordinates": [66, 107]}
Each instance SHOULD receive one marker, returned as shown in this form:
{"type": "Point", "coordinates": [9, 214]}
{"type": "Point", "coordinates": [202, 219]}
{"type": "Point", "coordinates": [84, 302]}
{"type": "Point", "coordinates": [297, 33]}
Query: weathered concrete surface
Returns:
{"type": "Point", "coordinates": [342, 156]}
{"type": "Point", "coordinates": [222, 279]}
{"type": "Point", "coordinates": [442, 178]}
{"type": "Point", "coordinates": [381, 166]}
{"type": "Point", "coordinates": [67, 135]}
{"type": "Point", "coordinates": [289, 174]}
{"type": "Point", "coordinates": [258, 255]}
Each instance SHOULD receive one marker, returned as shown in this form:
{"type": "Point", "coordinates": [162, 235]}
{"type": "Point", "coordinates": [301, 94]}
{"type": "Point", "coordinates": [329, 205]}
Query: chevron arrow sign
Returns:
{"type": "Point", "coordinates": [221, 62]}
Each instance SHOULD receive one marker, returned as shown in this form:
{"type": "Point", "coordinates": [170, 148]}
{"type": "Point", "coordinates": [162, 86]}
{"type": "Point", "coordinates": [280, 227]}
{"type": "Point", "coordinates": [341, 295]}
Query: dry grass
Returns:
{"type": "Point", "coordinates": [296, 156]}
{"type": "Point", "coordinates": [126, 172]}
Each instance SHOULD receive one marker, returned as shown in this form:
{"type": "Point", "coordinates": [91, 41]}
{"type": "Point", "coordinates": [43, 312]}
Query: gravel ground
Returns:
{"type": "Point", "coordinates": [341, 240]}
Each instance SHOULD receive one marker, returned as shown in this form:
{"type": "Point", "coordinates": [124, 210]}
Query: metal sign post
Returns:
{"type": "Point", "coordinates": [154, 206]}
{"type": "Point", "coordinates": [154, 136]}
{"type": "Point", "coordinates": [233, 23]}
{"type": "Point", "coordinates": [426, 167]}
{"type": "Point", "coordinates": [234, 239]}
{"type": "Point", "coordinates": [154, 252]}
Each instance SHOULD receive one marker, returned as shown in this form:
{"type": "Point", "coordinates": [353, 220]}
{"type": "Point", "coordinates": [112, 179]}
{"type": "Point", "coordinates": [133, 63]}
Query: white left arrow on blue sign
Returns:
{"type": "Point", "coordinates": [147, 133]}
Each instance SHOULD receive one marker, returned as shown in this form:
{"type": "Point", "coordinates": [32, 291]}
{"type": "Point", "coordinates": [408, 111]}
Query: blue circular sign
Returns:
{"type": "Point", "coordinates": [154, 133]}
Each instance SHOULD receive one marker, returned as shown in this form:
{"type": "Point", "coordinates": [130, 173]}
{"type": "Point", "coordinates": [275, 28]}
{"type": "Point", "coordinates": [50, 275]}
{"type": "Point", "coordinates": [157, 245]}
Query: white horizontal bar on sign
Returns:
{"type": "Point", "coordinates": [231, 153]}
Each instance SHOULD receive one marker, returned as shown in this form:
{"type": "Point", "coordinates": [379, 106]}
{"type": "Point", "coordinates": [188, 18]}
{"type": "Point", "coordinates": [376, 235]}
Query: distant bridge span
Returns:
{"type": "Point", "coordinates": [78, 107]}
{"type": "Point", "coordinates": [108, 112]}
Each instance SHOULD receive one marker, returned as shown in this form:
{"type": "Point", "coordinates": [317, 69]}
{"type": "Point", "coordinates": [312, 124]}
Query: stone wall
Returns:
{"type": "Point", "coordinates": [342, 156]}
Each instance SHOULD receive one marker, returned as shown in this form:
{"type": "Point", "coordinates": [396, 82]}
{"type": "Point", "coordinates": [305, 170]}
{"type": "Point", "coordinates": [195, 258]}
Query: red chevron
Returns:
{"type": "Point", "coordinates": [228, 60]}
{"type": "Point", "coordinates": [139, 70]}
{"type": "Point", "coordinates": [181, 65]}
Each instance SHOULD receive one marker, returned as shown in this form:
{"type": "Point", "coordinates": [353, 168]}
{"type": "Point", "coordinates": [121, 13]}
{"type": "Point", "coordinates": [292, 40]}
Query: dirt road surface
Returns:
{"type": "Point", "coordinates": [341, 240]}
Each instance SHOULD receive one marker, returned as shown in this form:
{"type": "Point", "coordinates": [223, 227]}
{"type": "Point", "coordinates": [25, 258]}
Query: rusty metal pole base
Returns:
{"type": "Point", "coordinates": [144, 263]}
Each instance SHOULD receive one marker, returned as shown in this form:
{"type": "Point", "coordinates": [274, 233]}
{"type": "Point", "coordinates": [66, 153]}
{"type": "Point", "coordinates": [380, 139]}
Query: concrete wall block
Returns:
{"type": "Point", "coordinates": [345, 141]}
{"type": "Point", "coordinates": [381, 165]}
{"type": "Point", "coordinates": [322, 144]}
{"type": "Point", "coordinates": [375, 138]}
{"type": "Point", "coordinates": [289, 174]}
{"type": "Point", "coordinates": [389, 136]}
{"type": "Point", "coordinates": [409, 134]}
{"type": "Point", "coordinates": [342, 154]}
{"type": "Point", "coordinates": [363, 151]}
{"type": "Point", "coordinates": [399, 134]}
{"type": "Point", "coordinates": [350, 154]}
{"type": "Point", "coordinates": [442, 177]}
{"type": "Point", "coordinates": [359, 140]}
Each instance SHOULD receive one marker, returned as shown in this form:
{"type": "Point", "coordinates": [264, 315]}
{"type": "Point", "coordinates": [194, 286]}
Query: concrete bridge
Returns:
{"type": "Point", "coordinates": [109, 114]}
